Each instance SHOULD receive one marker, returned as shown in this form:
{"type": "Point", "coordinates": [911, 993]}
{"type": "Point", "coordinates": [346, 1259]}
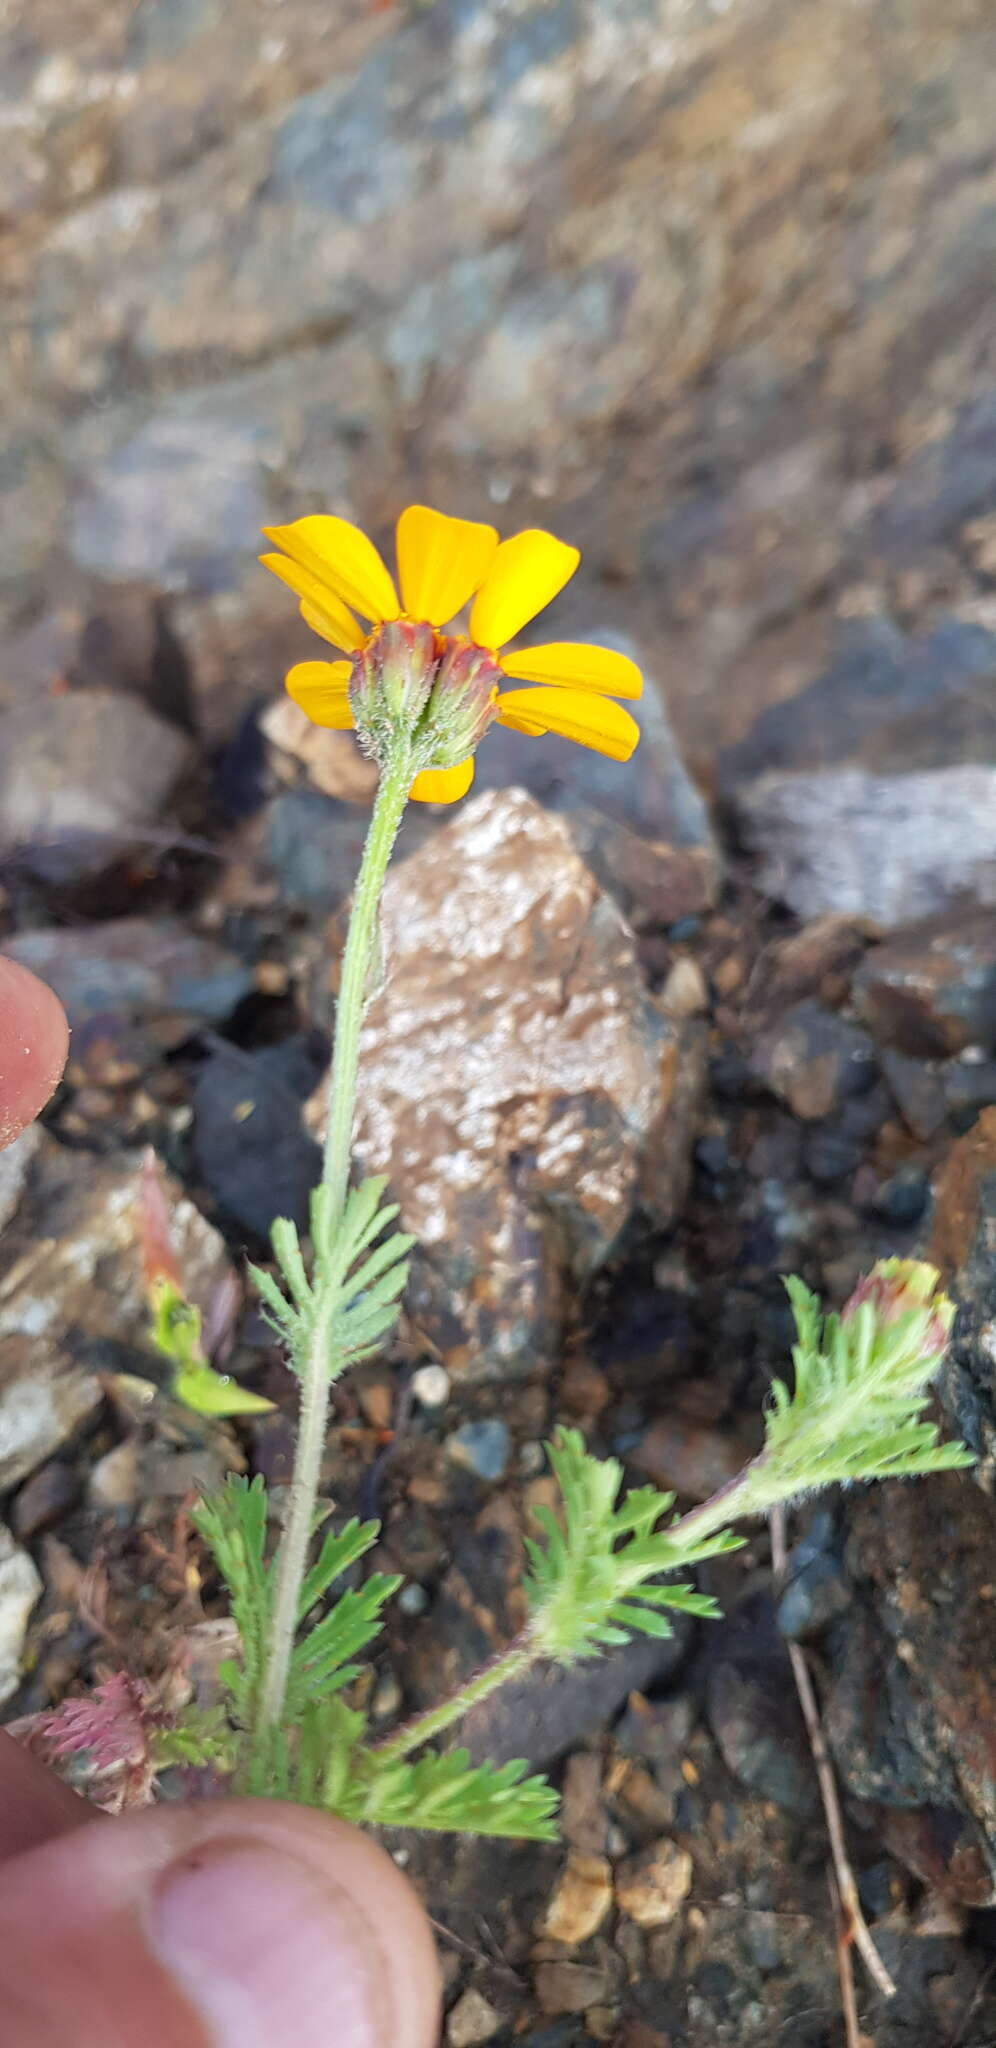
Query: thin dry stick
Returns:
{"type": "Point", "coordinates": [848, 1998]}
{"type": "Point", "coordinates": [850, 1904]}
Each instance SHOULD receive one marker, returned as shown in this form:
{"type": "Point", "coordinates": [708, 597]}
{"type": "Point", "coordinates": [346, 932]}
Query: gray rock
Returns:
{"type": "Point", "coordinates": [80, 775]}
{"type": "Point", "coordinates": [20, 1587]}
{"type": "Point", "coordinates": [892, 848]}
{"type": "Point", "coordinates": [251, 1145]}
{"type": "Point", "coordinates": [932, 991]}
{"type": "Point", "coordinates": [481, 1447]}
{"type": "Point", "coordinates": [135, 967]}
{"type": "Point", "coordinates": [888, 702]}
{"type": "Point", "coordinates": [524, 1093]}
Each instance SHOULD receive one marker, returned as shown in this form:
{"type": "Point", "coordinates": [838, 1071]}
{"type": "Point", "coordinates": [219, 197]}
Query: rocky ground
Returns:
{"type": "Point", "coordinates": [707, 288]}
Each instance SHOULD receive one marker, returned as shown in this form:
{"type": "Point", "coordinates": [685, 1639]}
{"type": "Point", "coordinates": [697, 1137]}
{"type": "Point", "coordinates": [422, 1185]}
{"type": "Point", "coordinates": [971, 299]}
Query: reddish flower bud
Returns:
{"type": "Point", "coordinates": [392, 679]}
{"type": "Point", "coordinates": [897, 1287]}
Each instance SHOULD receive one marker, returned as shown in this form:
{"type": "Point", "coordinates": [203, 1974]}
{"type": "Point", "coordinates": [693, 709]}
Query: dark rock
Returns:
{"type": "Point", "coordinates": [962, 1240]}
{"type": "Point", "coordinates": [919, 1091]}
{"type": "Point", "coordinates": [136, 969]}
{"type": "Point", "coordinates": [753, 1709]}
{"type": "Point", "coordinates": [912, 1699]}
{"type": "Point", "coordinates": [817, 1588]}
{"type": "Point", "coordinates": [830, 1155]}
{"type": "Point", "coordinates": [251, 1145]}
{"type": "Point", "coordinates": [525, 1094]}
{"type": "Point", "coordinates": [968, 1086]}
{"type": "Point", "coordinates": [689, 1460]}
{"type": "Point", "coordinates": [887, 703]}
{"type": "Point", "coordinates": [128, 644]}
{"type": "Point", "coordinates": [554, 1708]}
{"type": "Point", "coordinates": [932, 991]}
{"type": "Point", "coordinates": [481, 1447]}
{"type": "Point", "coordinates": [82, 776]}
{"type": "Point", "coordinates": [814, 1060]}
{"type": "Point", "coordinates": [314, 843]}
{"type": "Point", "coordinates": [44, 1499]}
{"type": "Point", "coordinates": [948, 482]}
{"type": "Point", "coordinates": [891, 848]}
{"type": "Point", "coordinates": [902, 1199]}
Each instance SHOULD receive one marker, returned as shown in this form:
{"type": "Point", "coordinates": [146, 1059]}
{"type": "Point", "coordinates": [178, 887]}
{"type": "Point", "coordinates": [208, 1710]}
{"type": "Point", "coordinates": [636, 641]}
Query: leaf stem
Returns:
{"type": "Point", "coordinates": [313, 1364]}
{"type": "Point", "coordinates": [510, 1663]}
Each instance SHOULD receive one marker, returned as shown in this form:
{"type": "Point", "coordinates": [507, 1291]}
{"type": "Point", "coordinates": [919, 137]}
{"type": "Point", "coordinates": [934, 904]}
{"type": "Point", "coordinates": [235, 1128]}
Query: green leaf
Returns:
{"type": "Point", "coordinates": [216, 1393]}
{"type": "Point", "coordinates": [337, 1553]}
{"type": "Point", "coordinates": [322, 1661]}
{"type": "Point", "coordinates": [598, 1579]}
{"type": "Point", "coordinates": [233, 1525]}
{"type": "Point", "coordinates": [862, 1384]}
{"type": "Point", "coordinates": [448, 1793]}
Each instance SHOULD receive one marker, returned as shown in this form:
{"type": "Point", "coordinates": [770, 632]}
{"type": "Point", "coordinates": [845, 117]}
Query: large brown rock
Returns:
{"type": "Point", "coordinates": [523, 1091]}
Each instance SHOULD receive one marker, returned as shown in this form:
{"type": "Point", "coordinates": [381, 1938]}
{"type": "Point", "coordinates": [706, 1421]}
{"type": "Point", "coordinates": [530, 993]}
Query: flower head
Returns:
{"type": "Point", "coordinates": [897, 1291]}
{"type": "Point", "coordinates": [445, 688]}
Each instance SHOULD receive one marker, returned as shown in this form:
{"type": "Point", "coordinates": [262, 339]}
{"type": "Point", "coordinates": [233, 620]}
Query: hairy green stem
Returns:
{"type": "Point", "coordinates": [508, 1664]}
{"type": "Point", "coordinates": [315, 1368]}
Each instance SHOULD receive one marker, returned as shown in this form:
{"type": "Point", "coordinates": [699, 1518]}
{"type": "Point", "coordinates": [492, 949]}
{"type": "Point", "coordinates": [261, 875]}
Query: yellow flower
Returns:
{"type": "Point", "coordinates": [443, 564]}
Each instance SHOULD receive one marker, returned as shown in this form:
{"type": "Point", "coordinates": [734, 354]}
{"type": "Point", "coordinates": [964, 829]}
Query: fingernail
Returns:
{"type": "Point", "coordinates": [268, 1951]}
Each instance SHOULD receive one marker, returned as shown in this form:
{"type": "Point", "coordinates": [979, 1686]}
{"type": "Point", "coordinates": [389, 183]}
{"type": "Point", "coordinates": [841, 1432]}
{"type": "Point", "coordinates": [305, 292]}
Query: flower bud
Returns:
{"type": "Point", "coordinates": [462, 703]}
{"type": "Point", "coordinates": [392, 679]}
{"type": "Point", "coordinates": [901, 1287]}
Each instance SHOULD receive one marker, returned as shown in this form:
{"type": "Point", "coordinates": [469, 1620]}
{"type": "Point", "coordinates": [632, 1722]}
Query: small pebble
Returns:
{"type": "Point", "coordinates": [431, 1386]}
{"type": "Point", "coordinates": [471, 2022]}
{"type": "Point", "coordinates": [579, 1902]}
{"type": "Point", "coordinates": [652, 1886]}
{"type": "Point", "coordinates": [44, 1499]}
{"type": "Point", "coordinates": [113, 1483]}
{"type": "Point", "coordinates": [387, 1699]}
{"type": "Point", "coordinates": [413, 1598]}
{"type": "Point", "coordinates": [532, 1459]}
{"type": "Point", "coordinates": [684, 993]}
{"type": "Point", "coordinates": [481, 1448]}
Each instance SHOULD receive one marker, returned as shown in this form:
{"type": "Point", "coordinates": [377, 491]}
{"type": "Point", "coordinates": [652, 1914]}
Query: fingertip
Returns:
{"type": "Point", "coordinates": [34, 1045]}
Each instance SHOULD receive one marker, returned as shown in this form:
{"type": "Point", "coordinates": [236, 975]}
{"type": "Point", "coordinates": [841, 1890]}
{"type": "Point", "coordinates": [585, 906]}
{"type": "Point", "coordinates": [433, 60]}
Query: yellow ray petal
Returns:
{"type": "Point", "coordinates": [320, 609]}
{"type": "Point", "coordinates": [343, 559]}
{"type": "Point", "coordinates": [573, 665]}
{"type": "Point", "coordinates": [527, 571]}
{"type": "Point", "coordinates": [322, 690]}
{"type": "Point", "coordinates": [596, 722]}
{"type": "Point", "coordinates": [441, 562]}
{"type": "Point", "coordinates": [443, 785]}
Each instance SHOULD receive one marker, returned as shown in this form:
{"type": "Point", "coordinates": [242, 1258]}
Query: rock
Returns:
{"type": "Point", "coordinates": [48, 1495]}
{"type": "Point", "coordinates": [817, 1587]}
{"type": "Point", "coordinates": [252, 1148]}
{"type": "Point", "coordinates": [651, 1888]}
{"type": "Point", "coordinates": [138, 970]}
{"type": "Point", "coordinates": [932, 991]}
{"type": "Point", "coordinates": [754, 1712]}
{"type": "Point", "coordinates": [961, 1244]}
{"type": "Point", "coordinates": [82, 777]}
{"type": "Point", "coordinates": [471, 2021]}
{"type": "Point", "coordinates": [892, 848]}
{"type": "Point", "coordinates": [554, 1708]}
{"type": "Point", "coordinates": [912, 1696]}
{"type": "Point", "coordinates": [888, 703]}
{"type": "Point", "coordinates": [127, 643]}
{"type": "Point", "coordinates": [688, 1460]}
{"type": "Point", "coordinates": [684, 993]}
{"type": "Point", "coordinates": [72, 1303]}
{"type": "Point", "coordinates": [645, 835]}
{"type": "Point", "coordinates": [115, 1479]}
{"type": "Point", "coordinates": [581, 1898]}
{"type": "Point", "coordinates": [314, 845]}
{"type": "Point", "coordinates": [431, 1386]}
{"type": "Point", "coordinates": [814, 1060]}
{"type": "Point", "coordinates": [336, 769]}
{"type": "Point", "coordinates": [481, 1448]}
{"type": "Point", "coordinates": [20, 1587]}
{"type": "Point", "coordinates": [583, 1818]}
{"type": "Point", "coordinates": [14, 1162]}
{"type": "Point", "coordinates": [968, 1085]}
{"type": "Point", "coordinates": [919, 1092]}
{"type": "Point", "coordinates": [524, 1094]}
{"type": "Point", "coordinates": [570, 1987]}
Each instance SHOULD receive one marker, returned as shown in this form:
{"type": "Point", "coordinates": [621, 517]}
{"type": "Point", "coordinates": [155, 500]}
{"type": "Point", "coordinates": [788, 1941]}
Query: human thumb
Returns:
{"type": "Point", "coordinates": [239, 1922]}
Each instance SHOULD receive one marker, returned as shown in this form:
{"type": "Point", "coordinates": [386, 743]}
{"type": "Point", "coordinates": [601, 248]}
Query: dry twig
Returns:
{"type": "Point", "coordinates": [855, 1927]}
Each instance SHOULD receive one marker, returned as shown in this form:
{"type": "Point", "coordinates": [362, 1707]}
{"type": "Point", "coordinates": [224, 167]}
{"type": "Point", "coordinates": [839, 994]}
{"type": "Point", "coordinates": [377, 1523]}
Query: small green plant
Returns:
{"type": "Point", "coordinates": [610, 1564]}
